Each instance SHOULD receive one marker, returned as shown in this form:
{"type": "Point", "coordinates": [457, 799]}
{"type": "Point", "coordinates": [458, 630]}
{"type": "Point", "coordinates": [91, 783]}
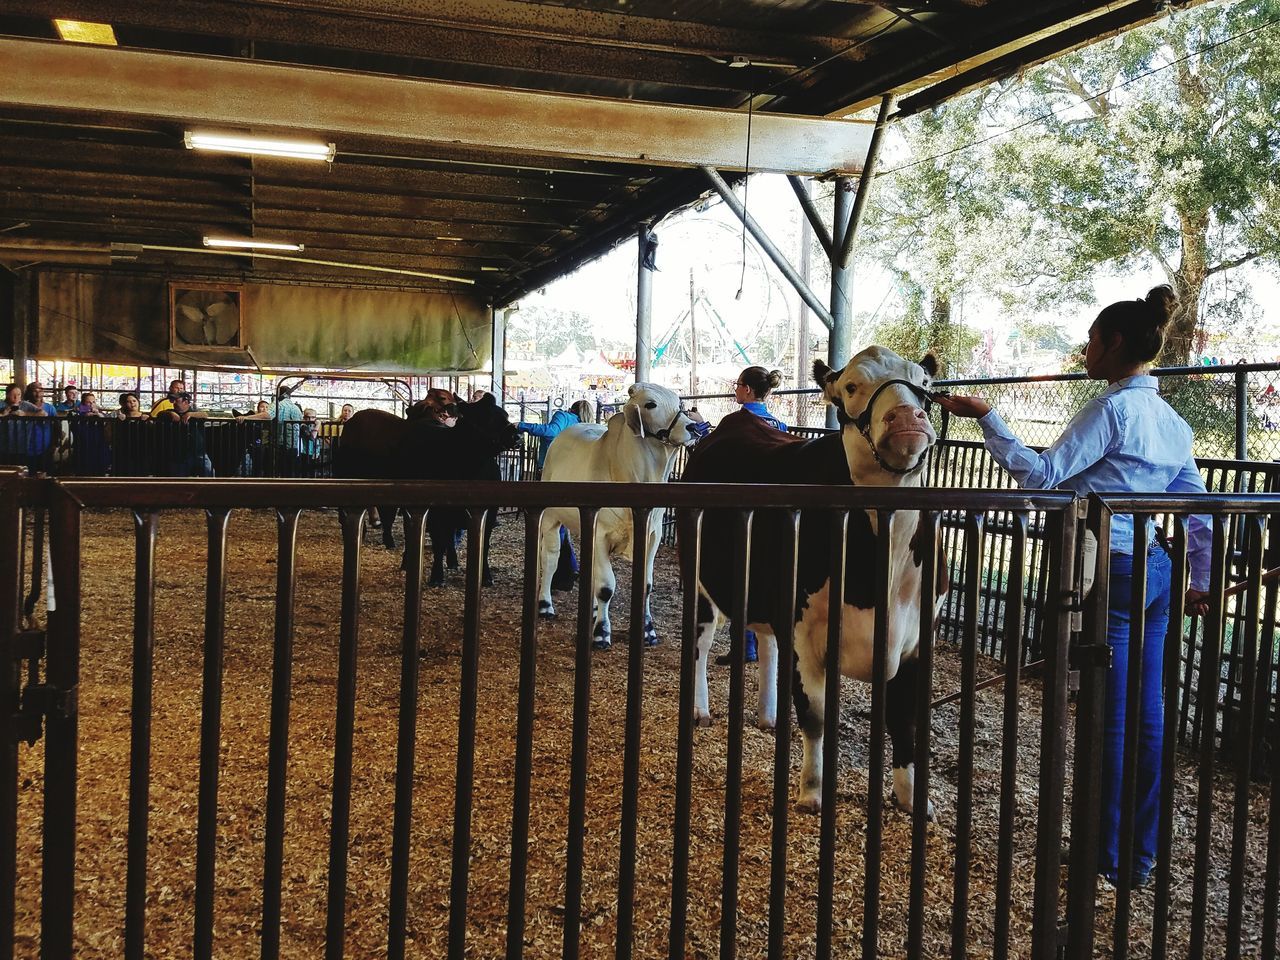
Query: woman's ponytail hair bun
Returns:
{"type": "Point", "coordinates": [759, 380]}
{"type": "Point", "coordinates": [1163, 302]}
{"type": "Point", "coordinates": [1140, 323]}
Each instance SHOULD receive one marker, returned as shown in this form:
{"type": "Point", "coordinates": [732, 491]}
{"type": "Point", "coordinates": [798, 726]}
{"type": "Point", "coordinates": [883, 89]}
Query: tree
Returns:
{"type": "Point", "coordinates": [1161, 146]}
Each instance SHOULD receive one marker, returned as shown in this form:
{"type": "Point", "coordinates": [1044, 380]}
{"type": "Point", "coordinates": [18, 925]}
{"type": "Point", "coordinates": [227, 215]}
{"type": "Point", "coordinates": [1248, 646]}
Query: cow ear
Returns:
{"type": "Point", "coordinates": [631, 390]}
{"type": "Point", "coordinates": [634, 421]}
{"type": "Point", "coordinates": [930, 364]}
{"type": "Point", "coordinates": [825, 378]}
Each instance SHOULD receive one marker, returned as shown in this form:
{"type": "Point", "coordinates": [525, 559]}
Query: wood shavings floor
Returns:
{"type": "Point", "coordinates": [104, 765]}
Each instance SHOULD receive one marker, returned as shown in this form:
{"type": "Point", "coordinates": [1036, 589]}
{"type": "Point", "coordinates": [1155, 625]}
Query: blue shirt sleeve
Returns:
{"type": "Point", "coordinates": [1199, 529]}
{"type": "Point", "coordinates": [546, 431]}
{"type": "Point", "coordinates": [1090, 435]}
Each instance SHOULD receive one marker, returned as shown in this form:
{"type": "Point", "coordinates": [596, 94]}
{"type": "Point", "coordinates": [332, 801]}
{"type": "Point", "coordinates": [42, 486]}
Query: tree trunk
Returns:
{"type": "Point", "coordinates": [1187, 281]}
{"type": "Point", "coordinates": [938, 333]}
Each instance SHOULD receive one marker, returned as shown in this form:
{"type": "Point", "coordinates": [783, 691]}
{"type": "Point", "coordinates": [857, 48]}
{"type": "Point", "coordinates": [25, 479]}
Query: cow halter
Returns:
{"type": "Point", "coordinates": [863, 422]}
{"type": "Point", "coordinates": [664, 435]}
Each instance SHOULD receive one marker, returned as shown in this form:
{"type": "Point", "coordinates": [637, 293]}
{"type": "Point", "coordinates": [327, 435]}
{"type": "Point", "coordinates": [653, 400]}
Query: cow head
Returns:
{"type": "Point", "coordinates": [437, 406]}
{"type": "Point", "coordinates": [886, 399]}
{"type": "Point", "coordinates": [654, 411]}
{"type": "Point", "coordinates": [487, 420]}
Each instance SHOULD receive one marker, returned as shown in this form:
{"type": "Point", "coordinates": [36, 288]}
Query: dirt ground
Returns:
{"type": "Point", "coordinates": [104, 764]}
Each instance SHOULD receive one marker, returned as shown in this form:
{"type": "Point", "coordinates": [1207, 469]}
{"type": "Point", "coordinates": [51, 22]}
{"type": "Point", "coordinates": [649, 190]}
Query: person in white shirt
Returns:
{"type": "Point", "coordinates": [1128, 440]}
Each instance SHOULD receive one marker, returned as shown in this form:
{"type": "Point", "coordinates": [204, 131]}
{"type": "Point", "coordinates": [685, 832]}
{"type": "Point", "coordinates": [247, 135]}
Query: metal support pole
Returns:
{"type": "Point", "coordinates": [767, 245]}
{"type": "Point", "coordinates": [1242, 415]}
{"type": "Point", "coordinates": [498, 353]}
{"type": "Point", "coordinates": [22, 302]}
{"type": "Point", "coordinates": [845, 239]}
{"type": "Point", "coordinates": [802, 333]}
{"type": "Point", "coordinates": [644, 303]}
{"type": "Point", "coordinates": [840, 343]}
{"type": "Point", "coordinates": [812, 218]}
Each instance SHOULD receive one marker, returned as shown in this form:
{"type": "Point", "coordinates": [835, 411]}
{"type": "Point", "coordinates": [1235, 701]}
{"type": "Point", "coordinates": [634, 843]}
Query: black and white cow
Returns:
{"type": "Point", "coordinates": [882, 401]}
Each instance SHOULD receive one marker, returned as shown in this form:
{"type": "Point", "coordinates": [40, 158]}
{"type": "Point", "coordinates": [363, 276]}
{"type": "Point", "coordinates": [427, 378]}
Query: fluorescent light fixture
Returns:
{"type": "Point", "coordinates": [258, 146]}
{"type": "Point", "coordinates": [491, 269]}
{"type": "Point", "coordinates": [80, 31]}
{"type": "Point", "coordinates": [233, 243]}
{"type": "Point", "coordinates": [451, 239]}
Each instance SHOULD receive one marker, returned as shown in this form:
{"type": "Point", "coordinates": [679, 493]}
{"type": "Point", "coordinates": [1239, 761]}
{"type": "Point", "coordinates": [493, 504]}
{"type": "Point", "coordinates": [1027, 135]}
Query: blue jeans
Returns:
{"type": "Point", "coordinates": [1150, 718]}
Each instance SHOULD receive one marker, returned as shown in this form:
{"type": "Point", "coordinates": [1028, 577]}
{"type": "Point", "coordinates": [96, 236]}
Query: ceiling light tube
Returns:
{"type": "Point", "coordinates": [233, 243]}
{"type": "Point", "coordinates": [258, 146]}
{"type": "Point", "coordinates": [84, 31]}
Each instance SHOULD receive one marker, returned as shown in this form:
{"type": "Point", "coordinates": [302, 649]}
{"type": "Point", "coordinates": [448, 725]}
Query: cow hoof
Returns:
{"type": "Point", "coordinates": [601, 643]}
{"type": "Point", "coordinates": [487, 580]}
{"type": "Point", "coordinates": [767, 725]}
{"type": "Point", "coordinates": [650, 634]}
{"type": "Point", "coordinates": [810, 802]}
{"type": "Point", "coordinates": [702, 718]}
{"type": "Point", "coordinates": [436, 582]}
{"type": "Point", "coordinates": [909, 809]}
{"type": "Point", "coordinates": [546, 610]}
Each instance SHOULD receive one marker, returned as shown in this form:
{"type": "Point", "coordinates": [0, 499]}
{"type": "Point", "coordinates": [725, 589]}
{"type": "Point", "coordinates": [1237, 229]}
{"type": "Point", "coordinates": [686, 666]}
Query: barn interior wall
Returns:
{"type": "Point", "coordinates": [116, 318]}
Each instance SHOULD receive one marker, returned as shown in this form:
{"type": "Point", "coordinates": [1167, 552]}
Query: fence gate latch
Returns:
{"type": "Point", "coordinates": [40, 701]}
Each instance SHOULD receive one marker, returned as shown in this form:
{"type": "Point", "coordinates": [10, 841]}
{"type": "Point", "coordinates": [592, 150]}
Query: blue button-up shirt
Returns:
{"type": "Point", "coordinates": [1128, 440]}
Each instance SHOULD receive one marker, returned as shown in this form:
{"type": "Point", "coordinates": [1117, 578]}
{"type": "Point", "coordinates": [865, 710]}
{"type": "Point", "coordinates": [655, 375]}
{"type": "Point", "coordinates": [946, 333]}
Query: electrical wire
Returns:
{"type": "Point", "coordinates": [1102, 93]}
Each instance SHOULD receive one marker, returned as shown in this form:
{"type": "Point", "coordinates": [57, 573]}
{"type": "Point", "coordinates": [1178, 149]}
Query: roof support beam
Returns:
{"type": "Point", "coordinates": [779, 259]}
{"type": "Point", "coordinates": [801, 187]}
{"type": "Point", "coordinates": [210, 91]}
{"type": "Point", "coordinates": [864, 184]}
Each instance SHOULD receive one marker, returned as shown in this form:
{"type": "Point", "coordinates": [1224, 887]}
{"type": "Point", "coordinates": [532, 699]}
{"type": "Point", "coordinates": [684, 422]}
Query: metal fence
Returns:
{"type": "Point", "coordinates": [1234, 410]}
{"type": "Point", "coordinates": [1004, 795]}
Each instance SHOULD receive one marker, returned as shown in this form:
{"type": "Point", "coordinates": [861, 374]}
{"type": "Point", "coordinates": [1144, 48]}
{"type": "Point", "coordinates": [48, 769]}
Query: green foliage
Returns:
{"type": "Point", "coordinates": [553, 329]}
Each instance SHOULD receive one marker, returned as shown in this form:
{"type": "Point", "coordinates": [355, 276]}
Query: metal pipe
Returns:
{"type": "Point", "coordinates": [1242, 415]}
{"type": "Point", "coordinates": [864, 184]}
{"type": "Point", "coordinates": [343, 265]}
{"type": "Point", "coordinates": [644, 302]}
{"type": "Point", "coordinates": [767, 245]}
{"type": "Point", "coordinates": [840, 343]}
{"type": "Point", "coordinates": [811, 215]}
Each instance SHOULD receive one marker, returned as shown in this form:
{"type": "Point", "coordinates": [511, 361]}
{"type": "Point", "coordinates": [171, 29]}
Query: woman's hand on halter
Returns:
{"type": "Point", "coordinates": [1196, 602]}
{"type": "Point", "coordinates": [962, 406]}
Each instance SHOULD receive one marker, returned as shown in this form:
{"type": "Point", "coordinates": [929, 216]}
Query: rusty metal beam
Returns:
{"type": "Point", "coordinates": [864, 186]}
{"type": "Point", "coordinates": [204, 90]}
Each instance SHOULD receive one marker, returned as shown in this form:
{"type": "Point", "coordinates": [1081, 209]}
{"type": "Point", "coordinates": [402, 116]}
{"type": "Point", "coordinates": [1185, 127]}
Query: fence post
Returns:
{"type": "Point", "coordinates": [10, 698]}
{"type": "Point", "coordinates": [1242, 415]}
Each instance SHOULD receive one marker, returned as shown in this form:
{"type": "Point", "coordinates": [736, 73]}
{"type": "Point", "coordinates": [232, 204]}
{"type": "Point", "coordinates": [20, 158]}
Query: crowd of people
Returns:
{"type": "Point", "coordinates": [172, 438]}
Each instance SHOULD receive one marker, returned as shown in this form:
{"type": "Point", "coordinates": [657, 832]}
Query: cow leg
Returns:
{"type": "Point", "coordinates": [550, 533]}
{"type": "Point", "coordinates": [487, 578]}
{"type": "Point", "coordinates": [810, 695]}
{"type": "Point", "coordinates": [708, 621]}
{"type": "Point", "coordinates": [388, 516]}
{"type": "Point", "coordinates": [441, 533]}
{"type": "Point", "coordinates": [767, 680]}
{"type": "Point", "coordinates": [650, 552]}
{"type": "Point", "coordinates": [900, 717]}
{"type": "Point", "coordinates": [603, 586]}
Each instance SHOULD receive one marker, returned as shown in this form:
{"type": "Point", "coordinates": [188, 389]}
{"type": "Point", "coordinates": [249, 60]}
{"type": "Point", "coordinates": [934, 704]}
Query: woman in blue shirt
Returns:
{"type": "Point", "coordinates": [566, 574]}
{"type": "Point", "coordinates": [1128, 440]}
{"type": "Point", "coordinates": [753, 386]}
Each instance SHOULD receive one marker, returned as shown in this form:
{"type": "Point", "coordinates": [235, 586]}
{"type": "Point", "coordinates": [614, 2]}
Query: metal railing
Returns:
{"type": "Point", "coordinates": [1234, 410]}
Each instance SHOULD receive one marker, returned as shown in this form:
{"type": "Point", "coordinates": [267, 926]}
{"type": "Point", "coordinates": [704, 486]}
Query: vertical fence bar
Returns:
{"type": "Point", "coordinates": [11, 546]}
{"type": "Point", "coordinates": [145, 527]}
{"type": "Point", "coordinates": [581, 741]}
{"type": "Point", "coordinates": [1132, 725]}
{"type": "Point", "coordinates": [691, 566]}
{"type": "Point", "coordinates": [631, 746]}
{"type": "Point", "coordinates": [831, 733]}
{"type": "Point", "coordinates": [406, 734]}
{"type": "Point", "coordinates": [1172, 663]}
{"type": "Point", "coordinates": [1207, 697]}
{"type": "Point", "coordinates": [343, 734]}
{"type": "Point", "coordinates": [1086, 791]}
{"type": "Point", "coordinates": [278, 737]}
{"type": "Point", "coordinates": [733, 758]}
{"type": "Point", "coordinates": [974, 543]}
{"type": "Point", "coordinates": [215, 623]}
{"type": "Point", "coordinates": [929, 532]}
{"type": "Point", "coordinates": [468, 695]}
{"type": "Point", "coordinates": [1252, 527]}
{"type": "Point", "coordinates": [784, 635]}
{"type": "Point", "coordinates": [1012, 645]}
{"type": "Point", "coordinates": [875, 759]}
{"type": "Point", "coordinates": [524, 738]}
{"type": "Point", "coordinates": [1242, 415]}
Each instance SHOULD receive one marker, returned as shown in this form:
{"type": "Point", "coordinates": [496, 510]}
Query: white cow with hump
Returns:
{"type": "Point", "coordinates": [637, 445]}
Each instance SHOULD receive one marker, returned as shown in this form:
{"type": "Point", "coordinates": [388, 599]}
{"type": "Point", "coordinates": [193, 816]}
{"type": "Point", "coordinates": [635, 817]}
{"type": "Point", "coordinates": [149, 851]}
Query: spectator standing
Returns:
{"type": "Point", "coordinates": [287, 434]}
{"type": "Point", "coordinates": [166, 402]}
{"type": "Point", "coordinates": [90, 447]}
{"type": "Point", "coordinates": [185, 454]}
{"type": "Point", "coordinates": [131, 407]}
{"type": "Point", "coordinates": [566, 574]}
{"type": "Point", "coordinates": [1128, 440]}
{"type": "Point", "coordinates": [347, 412]}
{"type": "Point", "coordinates": [14, 431]}
{"type": "Point", "coordinates": [129, 438]}
{"type": "Point", "coordinates": [40, 436]}
{"type": "Point", "coordinates": [71, 400]}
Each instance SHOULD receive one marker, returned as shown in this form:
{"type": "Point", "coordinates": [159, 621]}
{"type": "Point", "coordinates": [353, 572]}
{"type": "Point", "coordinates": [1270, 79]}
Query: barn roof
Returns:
{"type": "Point", "coordinates": [98, 162]}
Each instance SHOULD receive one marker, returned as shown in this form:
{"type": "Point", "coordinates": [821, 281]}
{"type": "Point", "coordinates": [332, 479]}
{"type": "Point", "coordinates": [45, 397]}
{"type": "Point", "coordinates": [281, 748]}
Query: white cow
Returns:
{"type": "Point", "coordinates": [637, 445]}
